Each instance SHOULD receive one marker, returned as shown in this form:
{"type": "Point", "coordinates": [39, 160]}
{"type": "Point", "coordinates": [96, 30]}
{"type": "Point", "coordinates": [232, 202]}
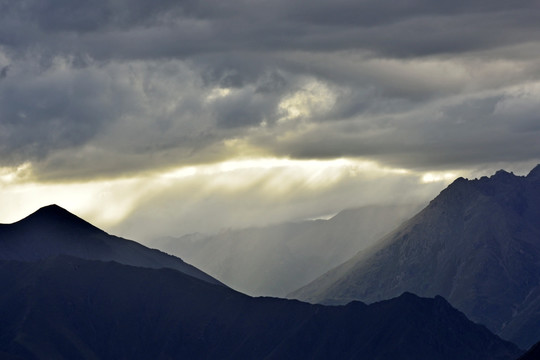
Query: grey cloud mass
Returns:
{"type": "Point", "coordinates": [105, 88]}
{"type": "Point", "coordinates": [138, 29]}
{"type": "Point", "coordinates": [4, 71]}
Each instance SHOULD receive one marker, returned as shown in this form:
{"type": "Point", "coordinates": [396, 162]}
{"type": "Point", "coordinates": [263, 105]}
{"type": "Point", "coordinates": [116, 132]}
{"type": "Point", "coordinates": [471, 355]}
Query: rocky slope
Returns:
{"type": "Point", "coordinates": [477, 244]}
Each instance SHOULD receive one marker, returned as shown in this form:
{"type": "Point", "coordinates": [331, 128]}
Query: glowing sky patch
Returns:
{"type": "Point", "coordinates": [435, 177]}
{"type": "Point", "coordinates": [266, 179]}
{"type": "Point", "coordinates": [313, 98]}
{"type": "Point", "coordinates": [85, 199]}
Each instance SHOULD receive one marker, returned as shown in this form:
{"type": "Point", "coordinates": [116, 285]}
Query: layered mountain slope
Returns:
{"type": "Point", "coordinates": [477, 244]}
{"type": "Point", "coordinates": [69, 308]}
{"type": "Point", "coordinates": [52, 231]}
{"type": "Point", "coordinates": [276, 260]}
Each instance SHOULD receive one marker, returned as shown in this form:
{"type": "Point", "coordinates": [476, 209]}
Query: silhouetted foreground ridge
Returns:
{"type": "Point", "coordinates": [69, 308]}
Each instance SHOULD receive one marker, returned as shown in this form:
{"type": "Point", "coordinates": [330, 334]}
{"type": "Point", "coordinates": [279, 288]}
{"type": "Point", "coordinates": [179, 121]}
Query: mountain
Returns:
{"type": "Point", "coordinates": [52, 231]}
{"type": "Point", "coordinates": [532, 354]}
{"type": "Point", "coordinates": [477, 244]}
{"type": "Point", "coordinates": [278, 259]}
{"type": "Point", "coordinates": [70, 308]}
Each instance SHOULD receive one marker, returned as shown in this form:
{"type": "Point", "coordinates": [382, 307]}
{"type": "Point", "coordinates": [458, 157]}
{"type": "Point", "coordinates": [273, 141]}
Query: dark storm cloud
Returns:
{"type": "Point", "coordinates": [81, 17]}
{"type": "Point", "coordinates": [39, 115]}
{"type": "Point", "coordinates": [142, 29]}
{"type": "Point", "coordinates": [242, 110]}
{"type": "Point", "coordinates": [159, 83]}
{"type": "Point", "coordinates": [4, 71]}
{"type": "Point", "coordinates": [493, 129]}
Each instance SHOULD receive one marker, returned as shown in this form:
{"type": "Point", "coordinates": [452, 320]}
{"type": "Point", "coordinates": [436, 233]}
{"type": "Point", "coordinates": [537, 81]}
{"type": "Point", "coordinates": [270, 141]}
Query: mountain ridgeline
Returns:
{"type": "Point", "coordinates": [52, 231]}
{"type": "Point", "coordinates": [477, 244]}
{"type": "Point", "coordinates": [69, 308]}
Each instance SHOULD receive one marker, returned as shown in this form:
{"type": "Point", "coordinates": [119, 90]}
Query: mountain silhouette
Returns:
{"type": "Point", "coordinates": [52, 231]}
{"type": "Point", "coordinates": [69, 308]}
{"type": "Point", "coordinates": [260, 261]}
{"type": "Point", "coordinates": [477, 244]}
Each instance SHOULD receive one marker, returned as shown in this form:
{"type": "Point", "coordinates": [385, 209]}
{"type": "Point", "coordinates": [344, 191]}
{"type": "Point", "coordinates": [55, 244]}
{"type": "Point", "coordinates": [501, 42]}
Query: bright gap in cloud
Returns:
{"type": "Point", "coordinates": [437, 177]}
{"type": "Point", "coordinates": [314, 97]}
{"type": "Point", "coordinates": [287, 172]}
{"type": "Point", "coordinates": [102, 202]}
{"type": "Point", "coordinates": [256, 189]}
{"type": "Point", "coordinates": [262, 164]}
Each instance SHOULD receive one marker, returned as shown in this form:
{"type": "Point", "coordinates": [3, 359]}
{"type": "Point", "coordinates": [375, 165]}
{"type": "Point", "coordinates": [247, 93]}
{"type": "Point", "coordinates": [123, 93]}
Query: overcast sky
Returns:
{"type": "Point", "coordinates": [155, 117]}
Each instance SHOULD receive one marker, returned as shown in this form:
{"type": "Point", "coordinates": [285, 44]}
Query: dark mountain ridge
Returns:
{"type": "Point", "coordinates": [532, 354]}
{"type": "Point", "coordinates": [69, 308]}
{"type": "Point", "coordinates": [52, 231]}
{"type": "Point", "coordinates": [477, 244]}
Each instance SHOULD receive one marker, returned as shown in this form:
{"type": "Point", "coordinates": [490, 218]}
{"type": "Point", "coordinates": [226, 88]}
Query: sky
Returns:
{"type": "Point", "coordinates": [153, 118]}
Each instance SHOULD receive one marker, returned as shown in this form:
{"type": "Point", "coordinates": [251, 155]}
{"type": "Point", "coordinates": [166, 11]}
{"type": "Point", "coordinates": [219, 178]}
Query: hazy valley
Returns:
{"type": "Point", "coordinates": [278, 259]}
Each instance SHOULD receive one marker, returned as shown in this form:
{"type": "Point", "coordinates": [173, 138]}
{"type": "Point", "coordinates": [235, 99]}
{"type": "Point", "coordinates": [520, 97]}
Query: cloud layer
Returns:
{"type": "Point", "coordinates": [122, 88]}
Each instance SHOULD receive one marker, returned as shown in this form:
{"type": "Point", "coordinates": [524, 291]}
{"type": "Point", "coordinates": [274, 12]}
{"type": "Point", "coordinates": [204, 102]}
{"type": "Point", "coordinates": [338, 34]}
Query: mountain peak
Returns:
{"type": "Point", "coordinates": [504, 176]}
{"type": "Point", "coordinates": [54, 215]}
{"type": "Point", "coordinates": [502, 172]}
{"type": "Point", "coordinates": [53, 231]}
{"type": "Point", "coordinates": [52, 210]}
{"type": "Point", "coordinates": [535, 173]}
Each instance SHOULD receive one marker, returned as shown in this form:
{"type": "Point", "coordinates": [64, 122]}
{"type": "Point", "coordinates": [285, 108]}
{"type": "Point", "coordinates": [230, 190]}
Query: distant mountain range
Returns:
{"type": "Point", "coordinates": [69, 308]}
{"type": "Point", "coordinates": [52, 231]}
{"type": "Point", "coordinates": [275, 260]}
{"type": "Point", "coordinates": [477, 244]}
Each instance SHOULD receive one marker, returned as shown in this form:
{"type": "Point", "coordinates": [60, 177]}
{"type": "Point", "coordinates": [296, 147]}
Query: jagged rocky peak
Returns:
{"type": "Point", "coordinates": [462, 188]}
{"type": "Point", "coordinates": [456, 192]}
{"type": "Point", "coordinates": [502, 180]}
{"type": "Point", "coordinates": [503, 174]}
{"type": "Point", "coordinates": [459, 181]}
